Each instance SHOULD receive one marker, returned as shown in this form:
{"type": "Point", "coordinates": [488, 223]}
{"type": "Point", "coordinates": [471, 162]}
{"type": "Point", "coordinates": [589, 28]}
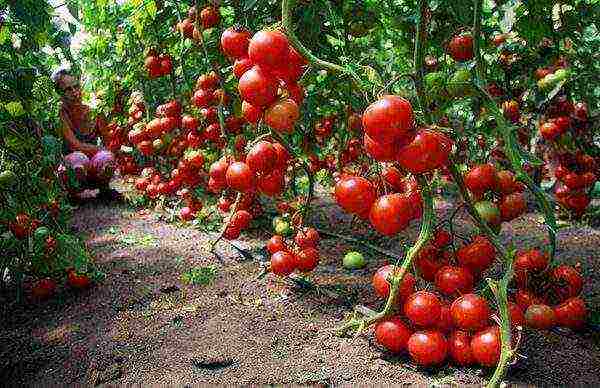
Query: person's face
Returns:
{"type": "Point", "coordinates": [70, 87]}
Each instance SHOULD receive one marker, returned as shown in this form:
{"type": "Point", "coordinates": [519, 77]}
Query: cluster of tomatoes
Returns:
{"type": "Point", "coordinates": [268, 69]}
{"type": "Point", "coordinates": [303, 256]}
{"type": "Point", "coordinates": [485, 179]}
{"type": "Point", "coordinates": [148, 137]}
{"type": "Point", "coordinates": [209, 17]}
{"type": "Point", "coordinates": [158, 65]}
{"type": "Point", "coordinates": [549, 296]}
{"type": "Point", "coordinates": [44, 289]}
{"type": "Point", "coordinates": [576, 174]}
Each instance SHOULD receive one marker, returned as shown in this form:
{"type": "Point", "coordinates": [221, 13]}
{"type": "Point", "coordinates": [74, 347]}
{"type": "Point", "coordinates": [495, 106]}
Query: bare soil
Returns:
{"type": "Point", "coordinates": [141, 325]}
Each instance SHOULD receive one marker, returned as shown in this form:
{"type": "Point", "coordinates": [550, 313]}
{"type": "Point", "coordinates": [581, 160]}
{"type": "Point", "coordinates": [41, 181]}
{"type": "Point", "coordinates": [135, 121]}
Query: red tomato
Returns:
{"type": "Point", "coordinates": [486, 346]}
{"type": "Point", "coordinates": [512, 205]}
{"type": "Point", "coordinates": [391, 214]}
{"type": "Point", "coordinates": [428, 150]}
{"type": "Point", "coordinates": [568, 282]}
{"type": "Point", "coordinates": [477, 256]}
{"type": "Point", "coordinates": [276, 244]}
{"type": "Point", "coordinates": [481, 178]}
{"type": "Point", "coordinates": [234, 42]}
{"type": "Point", "coordinates": [517, 318]}
{"type": "Point", "coordinates": [388, 119]}
{"type": "Point", "coordinates": [78, 281]}
{"type": "Point", "coordinates": [209, 17]}
{"type": "Point", "coordinates": [307, 238]}
{"type": "Point", "coordinates": [525, 299]}
{"type": "Point", "coordinates": [283, 263]}
{"type": "Point", "coordinates": [428, 261]}
{"type": "Point", "coordinates": [203, 98]}
{"type": "Point", "coordinates": [186, 214]}
{"type": "Point", "coordinates": [271, 184]}
{"type": "Point", "coordinates": [470, 312]}
{"type": "Point", "coordinates": [268, 49]}
{"type": "Point", "coordinates": [451, 280]}
{"type": "Point", "coordinates": [506, 182]}
{"type": "Point", "coordinates": [423, 308]}
{"type": "Point", "coordinates": [382, 287]}
{"type": "Point", "coordinates": [540, 316]}
{"type": "Point", "coordinates": [355, 195]}
{"type": "Point", "coordinates": [241, 65]}
{"type": "Point", "coordinates": [282, 116]}
{"type": "Point", "coordinates": [461, 47]}
{"type": "Point", "coordinates": [262, 157]}
{"type": "Point", "coordinates": [240, 177]}
{"type": "Point", "coordinates": [251, 113]}
{"type": "Point", "coordinates": [571, 313]}
{"type": "Point", "coordinates": [258, 87]}
{"type": "Point", "coordinates": [240, 219]}
{"type": "Point", "coordinates": [392, 334]}
{"type": "Point", "coordinates": [428, 347]}
{"type": "Point", "coordinates": [307, 259]}
{"type": "Point", "coordinates": [459, 345]}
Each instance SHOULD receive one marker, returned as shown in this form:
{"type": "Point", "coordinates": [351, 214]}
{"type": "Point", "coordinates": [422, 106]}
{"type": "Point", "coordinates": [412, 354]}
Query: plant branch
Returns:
{"type": "Point", "coordinates": [420, 41]}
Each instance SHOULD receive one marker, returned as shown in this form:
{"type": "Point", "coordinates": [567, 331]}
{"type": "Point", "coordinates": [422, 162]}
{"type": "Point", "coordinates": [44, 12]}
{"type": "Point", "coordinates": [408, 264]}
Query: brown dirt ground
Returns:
{"type": "Point", "coordinates": [142, 326]}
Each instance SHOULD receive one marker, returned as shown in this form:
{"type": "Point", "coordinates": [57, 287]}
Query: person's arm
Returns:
{"type": "Point", "coordinates": [74, 143]}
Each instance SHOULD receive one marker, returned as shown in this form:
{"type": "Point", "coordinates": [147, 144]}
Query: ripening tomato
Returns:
{"type": "Point", "coordinates": [355, 195]}
{"type": "Point", "coordinates": [571, 313]}
{"type": "Point", "coordinates": [459, 345]}
{"type": "Point", "coordinates": [240, 177]}
{"type": "Point", "coordinates": [282, 116]}
{"type": "Point", "coordinates": [506, 182]}
{"type": "Point", "coordinates": [218, 170]}
{"type": "Point", "coordinates": [262, 157]}
{"type": "Point", "coordinates": [423, 308]}
{"type": "Point", "coordinates": [428, 150]}
{"type": "Point", "coordinates": [276, 244]}
{"type": "Point", "coordinates": [486, 346]}
{"type": "Point", "coordinates": [307, 238]}
{"type": "Point", "coordinates": [489, 212]}
{"type": "Point", "coordinates": [391, 213]}
{"type": "Point", "coordinates": [234, 42]}
{"type": "Point", "coordinates": [186, 214]}
{"type": "Point", "coordinates": [428, 347]}
{"type": "Point", "coordinates": [258, 87]}
{"type": "Point", "coordinates": [470, 312]}
{"type": "Point", "coordinates": [283, 263]}
{"type": "Point", "coordinates": [307, 259]}
{"type": "Point", "coordinates": [550, 131]}
{"type": "Point", "coordinates": [481, 178]}
{"type": "Point", "coordinates": [393, 334]}
{"type": "Point", "coordinates": [382, 287]}
{"type": "Point", "coordinates": [540, 316]}
{"type": "Point", "coordinates": [388, 118]}
{"type": "Point", "coordinates": [268, 49]}
{"type": "Point", "coordinates": [477, 256]}
{"type": "Point", "coordinates": [451, 280]}
{"type": "Point", "coordinates": [510, 109]}
{"type": "Point", "coordinates": [461, 47]}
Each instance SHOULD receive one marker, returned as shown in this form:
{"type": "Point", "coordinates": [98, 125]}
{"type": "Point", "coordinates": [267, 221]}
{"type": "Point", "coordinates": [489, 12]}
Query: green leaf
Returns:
{"type": "Point", "coordinates": [249, 4]}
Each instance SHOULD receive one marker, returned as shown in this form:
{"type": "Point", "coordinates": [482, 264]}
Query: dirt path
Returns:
{"type": "Point", "coordinates": [142, 325]}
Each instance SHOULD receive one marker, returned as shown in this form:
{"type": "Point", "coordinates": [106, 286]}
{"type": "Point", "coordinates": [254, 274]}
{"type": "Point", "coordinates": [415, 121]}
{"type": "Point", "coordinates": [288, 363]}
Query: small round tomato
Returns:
{"type": "Point", "coordinates": [526, 298]}
{"type": "Point", "coordinates": [234, 42]}
{"type": "Point", "coordinates": [428, 347]}
{"type": "Point", "coordinates": [477, 256]}
{"type": "Point", "coordinates": [391, 213]}
{"type": "Point", "coordinates": [282, 116]}
{"type": "Point", "coordinates": [307, 259]}
{"type": "Point", "coordinates": [393, 334]}
{"type": "Point", "coordinates": [258, 87]}
{"type": "Point", "coordinates": [481, 178]}
{"type": "Point", "coordinates": [451, 280]}
{"type": "Point", "coordinates": [283, 263]}
{"type": "Point", "coordinates": [77, 280]}
{"type": "Point", "coordinates": [276, 244]}
{"type": "Point", "coordinates": [43, 289]}
{"type": "Point", "coordinates": [459, 345]}
{"type": "Point", "coordinates": [470, 312]}
{"type": "Point", "coordinates": [428, 262]}
{"type": "Point", "coordinates": [567, 281]}
{"type": "Point", "coordinates": [268, 49]}
{"type": "Point", "coordinates": [423, 308]}
{"type": "Point", "coordinates": [427, 151]}
{"type": "Point", "coordinates": [382, 286]}
{"type": "Point", "coordinates": [445, 323]}
{"type": "Point", "coordinates": [307, 238]}
{"type": "Point", "coordinates": [517, 318]}
{"type": "Point", "coordinates": [240, 219]}
{"type": "Point", "coordinates": [461, 47]}
{"type": "Point", "coordinates": [388, 118]}
{"type": "Point", "coordinates": [540, 316]}
{"type": "Point", "coordinates": [240, 177]}
{"type": "Point", "coordinates": [571, 313]}
{"type": "Point", "coordinates": [355, 195]}
{"type": "Point", "coordinates": [486, 346]}
{"type": "Point", "coordinates": [262, 157]}
{"type": "Point", "coordinates": [512, 206]}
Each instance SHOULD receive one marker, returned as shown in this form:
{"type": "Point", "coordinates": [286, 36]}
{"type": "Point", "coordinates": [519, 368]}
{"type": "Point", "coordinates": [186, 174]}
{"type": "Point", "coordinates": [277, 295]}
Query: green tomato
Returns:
{"type": "Point", "coordinates": [41, 233]}
{"type": "Point", "coordinates": [543, 84]}
{"type": "Point", "coordinates": [283, 228]}
{"type": "Point", "coordinates": [7, 178]}
{"type": "Point", "coordinates": [489, 212]}
{"type": "Point", "coordinates": [354, 260]}
{"type": "Point", "coordinates": [459, 84]}
{"type": "Point", "coordinates": [561, 75]}
{"type": "Point", "coordinates": [276, 221]}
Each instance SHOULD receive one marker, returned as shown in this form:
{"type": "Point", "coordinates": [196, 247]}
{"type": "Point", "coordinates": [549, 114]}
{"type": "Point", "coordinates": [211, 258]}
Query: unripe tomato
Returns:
{"type": "Point", "coordinates": [489, 212]}
{"type": "Point", "coordinates": [540, 316]}
{"type": "Point", "coordinates": [392, 334]}
{"type": "Point", "coordinates": [428, 347]}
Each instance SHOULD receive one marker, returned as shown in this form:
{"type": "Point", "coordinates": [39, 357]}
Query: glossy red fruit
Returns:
{"type": "Point", "coordinates": [512, 205]}
{"type": "Point", "coordinates": [271, 184]}
{"type": "Point", "coordinates": [382, 287]}
{"type": "Point", "coordinates": [307, 259]}
{"type": "Point", "coordinates": [388, 119]}
{"type": "Point", "coordinates": [568, 282]}
{"type": "Point", "coordinates": [526, 298]}
{"type": "Point", "coordinates": [283, 263]}
{"type": "Point", "coordinates": [379, 151]}
{"type": "Point", "coordinates": [428, 348]}
{"type": "Point", "coordinates": [550, 131]}
{"type": "Point", "coordinates": [355, 195]}
{"type": "Point", "coordinates": [423, 308]}
{"type": "Point", "coordinates": [571, 313]}
{"type": "Point", "coordinates": [461, 47]}
{"type": "Point", "coordinates": [540, 316]}
{"type": "Point", "coordinates": [481, 178]}
{"type": "Point", "coordinates": [470, 312]}
{"type": "Point", "coordinates": [506, 182]}
{"type": "Point", "coordinates": [282, 116]}
{"type": "Point", "coordinates": [451, 280]}
{"type": "Point", "coordinates": [241, 65]}
{"type": "Point", "coordinates": [262, 157]}
{"type": "Point", "coordinates": [240, 219]}
{"type": "Point", "coordinates": [276, 244]}
{"type": "Point", "coordinates": [218, 170]}
{"type": "Point", "coordinates": [477, 256]}
{"type": "Point", "coordinates": [459, 347]}
{"type": "Point", "coordinates": [485, 346]}
{"type": "Point", "coordinates": [441, 239]}
{"type": "Point", "coordinates": [391, 213]}
{"type": "Point", "coordinates": [258, 87]}
{"type": "Point", "coordinates": [203, 98]}
{"type": "Point", "coordinates": [283, 156]}
{"type": "Point", "coordinates": [240, 177]}
{"type": "Point", "coordinates": [307, 238]}
{"type": "Point", "coordinates": [393, 334]}
{"type": "Point", "coordinates": [268, 49]}
{"type": "Point", "coordinates": [428, 262]}
{"type": "Point", "coordinates": [77, 280]}
{"type": "Point", "coordinates": [209, 17]}
{"type": "Point", "coordinates": [231, 232]}
{"type": "Point", "coordinates": [234, 42]}
{"type": "Point", "coordinates": [428, 150]}
{"type": "Point", "coordinates": [517, 317]}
